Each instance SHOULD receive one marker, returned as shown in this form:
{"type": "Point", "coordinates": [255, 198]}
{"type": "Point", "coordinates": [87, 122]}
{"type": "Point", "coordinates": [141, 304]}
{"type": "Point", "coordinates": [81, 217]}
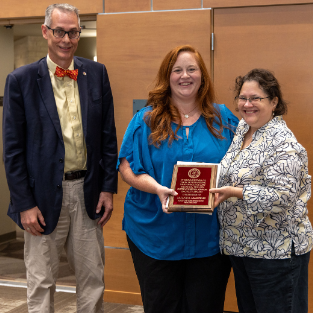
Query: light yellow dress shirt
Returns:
{"type": "Point", "coordinates": [67, 101]}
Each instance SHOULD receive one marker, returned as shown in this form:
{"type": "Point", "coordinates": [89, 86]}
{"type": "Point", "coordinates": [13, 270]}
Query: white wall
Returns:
{"type": "Point", "coordinates": [87, 48]}
{"type": "Point", "coordinates": [29, 49]}
{"type": "Point", "coordinates": [7, 55]}
{"type": "Point", "coordinates": [7, 66]}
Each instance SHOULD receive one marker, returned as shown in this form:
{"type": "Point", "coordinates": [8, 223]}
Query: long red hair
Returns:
{"type": "Point", "coordinates": [164, 112]}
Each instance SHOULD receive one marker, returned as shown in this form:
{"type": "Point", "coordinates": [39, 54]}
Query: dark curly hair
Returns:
{"type": "Point", "coordinates": [268, 83]}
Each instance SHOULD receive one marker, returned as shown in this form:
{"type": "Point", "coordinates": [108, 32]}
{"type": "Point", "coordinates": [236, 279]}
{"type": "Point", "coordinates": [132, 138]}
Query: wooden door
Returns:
{"type": "Point", "coordinates": [132, 46]}
{"type": "Point", "coordinates": [278, 38]}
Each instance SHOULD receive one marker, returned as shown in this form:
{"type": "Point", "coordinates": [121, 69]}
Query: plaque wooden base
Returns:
{"type": "Point", "coordinates": [192, 182]}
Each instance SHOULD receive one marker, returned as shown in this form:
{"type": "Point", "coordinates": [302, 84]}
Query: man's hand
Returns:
{"type": "Point", "coordinates": [106, 201]}
{"type": "Point", "coordinates": [29, 220]}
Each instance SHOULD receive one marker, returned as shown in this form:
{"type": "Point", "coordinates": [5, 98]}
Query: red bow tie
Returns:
{"type": "Point", "coordinates": [60, 72]}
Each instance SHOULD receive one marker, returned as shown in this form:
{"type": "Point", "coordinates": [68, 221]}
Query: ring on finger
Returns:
{"type": "Point", "coordinates": [27, 228]}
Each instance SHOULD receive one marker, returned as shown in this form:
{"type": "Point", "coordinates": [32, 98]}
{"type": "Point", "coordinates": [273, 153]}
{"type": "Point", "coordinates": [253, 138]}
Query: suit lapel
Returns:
{"type": "Point", "coordinates": [45, 87]}
{"type": "Point", "coordinates": [83, 91]}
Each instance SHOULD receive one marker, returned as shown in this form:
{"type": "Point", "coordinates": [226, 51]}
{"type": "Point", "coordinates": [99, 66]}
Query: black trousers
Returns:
{"type": "Point", "coordinates": [184, 286]}
{"type": "Point", "coordinates": [272, 285]}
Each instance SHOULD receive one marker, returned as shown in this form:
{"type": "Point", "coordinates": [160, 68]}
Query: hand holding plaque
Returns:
{"type": "Point", "coordinates": [192, 182]}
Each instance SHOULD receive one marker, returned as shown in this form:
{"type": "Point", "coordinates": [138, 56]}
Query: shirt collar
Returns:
{"type": "Point", "coordinates": [52, 66]}
{"type": "Point", "coordinates": [244, 127]}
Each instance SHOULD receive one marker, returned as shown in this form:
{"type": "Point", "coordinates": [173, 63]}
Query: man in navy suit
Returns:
{"type": "Point", "coordinates": [60, 153]}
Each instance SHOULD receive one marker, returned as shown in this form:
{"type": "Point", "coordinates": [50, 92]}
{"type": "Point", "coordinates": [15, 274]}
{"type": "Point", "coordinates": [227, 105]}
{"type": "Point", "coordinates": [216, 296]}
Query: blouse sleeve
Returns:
{"type": "Point", "coordinates": [286, 180]}
{"type": "Point", "coordinates": [135, 146]}
{"type": "Point", "coordinates": [229, 120]}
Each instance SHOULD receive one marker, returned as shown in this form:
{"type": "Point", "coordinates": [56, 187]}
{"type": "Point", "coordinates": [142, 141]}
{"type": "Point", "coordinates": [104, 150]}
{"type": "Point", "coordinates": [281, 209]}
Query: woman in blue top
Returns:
{"type": "Point", "coordinates": [176, 256]}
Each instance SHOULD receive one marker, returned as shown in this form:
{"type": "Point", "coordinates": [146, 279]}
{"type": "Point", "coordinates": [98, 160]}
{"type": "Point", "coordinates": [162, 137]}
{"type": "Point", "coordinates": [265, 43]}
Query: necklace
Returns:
{"type": "Point", "coordinates": [186, 114]}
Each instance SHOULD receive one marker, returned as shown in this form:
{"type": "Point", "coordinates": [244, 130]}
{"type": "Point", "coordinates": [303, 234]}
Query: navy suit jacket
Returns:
{"type": "Point", "coordinates": [33, 143]}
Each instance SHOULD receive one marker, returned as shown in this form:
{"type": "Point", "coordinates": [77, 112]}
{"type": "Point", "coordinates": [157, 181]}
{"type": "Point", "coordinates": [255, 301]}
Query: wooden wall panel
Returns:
{"type": "Point", "coordinates": [132, 47]}
{"type": "Point", "coordinates": [126, 5]}
{"type": "Point", "coordinates": [276, 38]}
{"type": "Point", "coordinates": [176, 4]}
{"type": "Point", "coordinates": [242, 3]}
{"type": "Point", "coordinates": [230, 304]}
{"type": "Point", "coordinates": [31, 8]}
{"type": "Point", "coordinates": [121, 284]}
{"type": "Point", "coordinates": [113, 234]}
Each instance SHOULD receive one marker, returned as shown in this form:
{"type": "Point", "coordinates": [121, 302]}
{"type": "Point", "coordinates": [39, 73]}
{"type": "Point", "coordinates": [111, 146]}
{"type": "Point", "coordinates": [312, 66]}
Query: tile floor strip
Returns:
{"type": "Point", "coordinates": [10, 283]}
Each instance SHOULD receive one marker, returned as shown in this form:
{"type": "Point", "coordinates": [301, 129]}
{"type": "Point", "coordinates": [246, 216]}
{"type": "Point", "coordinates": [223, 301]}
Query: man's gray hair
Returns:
{"type": "Point", "coordinates": [64, 7]}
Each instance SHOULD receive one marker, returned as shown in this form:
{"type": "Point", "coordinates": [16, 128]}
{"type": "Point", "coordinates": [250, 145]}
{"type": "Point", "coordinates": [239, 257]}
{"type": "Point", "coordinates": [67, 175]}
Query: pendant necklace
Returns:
{"type": "Point", "coordinates": [186, 114]}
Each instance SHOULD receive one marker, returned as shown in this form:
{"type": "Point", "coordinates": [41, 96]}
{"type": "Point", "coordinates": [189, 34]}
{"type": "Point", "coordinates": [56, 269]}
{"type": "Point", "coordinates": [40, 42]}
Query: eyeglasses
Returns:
{"type": "Point", "coordinates": [253, 100]}
{"type": "Point", "coordinates": [60, 33]}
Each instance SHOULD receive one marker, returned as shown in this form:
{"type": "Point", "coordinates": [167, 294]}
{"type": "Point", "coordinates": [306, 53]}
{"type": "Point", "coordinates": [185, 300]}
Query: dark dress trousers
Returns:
{"type": "Point", "coordinates": [33, 144]}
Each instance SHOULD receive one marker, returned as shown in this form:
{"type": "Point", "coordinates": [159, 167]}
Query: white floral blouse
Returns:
{"type": "Point", "coordinates": [273, 171]}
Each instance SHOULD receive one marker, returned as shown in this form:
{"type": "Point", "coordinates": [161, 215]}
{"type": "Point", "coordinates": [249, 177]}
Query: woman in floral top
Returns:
{"type": "Point", "coordinates": [263, 194]}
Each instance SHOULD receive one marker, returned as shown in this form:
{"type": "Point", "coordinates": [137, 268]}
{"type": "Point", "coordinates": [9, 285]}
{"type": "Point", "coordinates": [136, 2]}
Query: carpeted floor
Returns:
{"type": "Point", "coordinates": [13, 300]}
{"type": "Point", "coordinates": [12, 265]}
{"type": "Point", "coordinates": [12, 272]}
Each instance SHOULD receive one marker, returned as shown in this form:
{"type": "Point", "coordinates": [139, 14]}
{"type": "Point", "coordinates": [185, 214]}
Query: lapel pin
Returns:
{"type": "Point", "coordinates": [84, 73]}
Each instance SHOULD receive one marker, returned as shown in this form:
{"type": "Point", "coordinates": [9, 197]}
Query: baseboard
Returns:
{"type": "Point", "coordinates": [116, 296]}
{"type": "Point", "coordinates": [7, 237]}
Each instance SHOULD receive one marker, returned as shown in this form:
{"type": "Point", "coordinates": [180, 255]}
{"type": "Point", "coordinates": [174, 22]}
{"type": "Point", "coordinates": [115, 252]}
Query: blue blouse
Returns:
{"type": "Point", "coordinates": [177, 235]}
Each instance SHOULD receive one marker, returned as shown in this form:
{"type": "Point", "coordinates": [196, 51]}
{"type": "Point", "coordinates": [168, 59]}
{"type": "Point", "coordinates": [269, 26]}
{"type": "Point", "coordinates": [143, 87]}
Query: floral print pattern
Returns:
{"type": "Point", "coordinates": [273, 172]}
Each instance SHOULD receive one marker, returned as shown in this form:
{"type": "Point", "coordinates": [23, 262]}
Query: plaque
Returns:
{"type": "Point", "coordinates": [192, 182]}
